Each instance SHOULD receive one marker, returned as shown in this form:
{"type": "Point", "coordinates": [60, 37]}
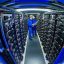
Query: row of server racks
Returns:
{"type": "Point", "coordinates": [13, 34]}
{"type": "Point", "coordinates": [51, 32]}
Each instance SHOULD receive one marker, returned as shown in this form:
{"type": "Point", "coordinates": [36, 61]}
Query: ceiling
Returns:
{"type": "Point", "coordinates": [48, 4]}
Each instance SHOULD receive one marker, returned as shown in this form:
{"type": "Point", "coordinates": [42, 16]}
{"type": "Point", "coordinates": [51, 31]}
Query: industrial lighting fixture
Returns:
{"type": "Point", "coordinates": [34, 9]}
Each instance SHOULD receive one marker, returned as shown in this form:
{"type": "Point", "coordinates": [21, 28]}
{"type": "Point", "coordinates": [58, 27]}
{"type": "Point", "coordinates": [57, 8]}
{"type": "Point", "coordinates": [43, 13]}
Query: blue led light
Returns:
{"type": "Point", "coordinates": [25, 1]}
{"type": "Point", "coordinates": [31, 1]}
{"type": "Point", "coordinates": [62, 1]}
{"type": "Point", "coordinates": [1, 1]}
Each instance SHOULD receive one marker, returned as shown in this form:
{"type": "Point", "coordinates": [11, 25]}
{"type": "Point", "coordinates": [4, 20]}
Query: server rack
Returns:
{"type": "Point", "coordinates": [51, 31]}
{"type": "Point", "coordinates": [14, 36]}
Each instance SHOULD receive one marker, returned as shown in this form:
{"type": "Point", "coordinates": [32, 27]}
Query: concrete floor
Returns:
{"type": "Point", "coordinates": [34, 53]}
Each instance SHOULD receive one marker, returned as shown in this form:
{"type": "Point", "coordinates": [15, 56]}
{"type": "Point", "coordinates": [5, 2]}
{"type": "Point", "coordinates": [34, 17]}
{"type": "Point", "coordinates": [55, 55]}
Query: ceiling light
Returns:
{"type": "Point", "coordinates": [33, 9]}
